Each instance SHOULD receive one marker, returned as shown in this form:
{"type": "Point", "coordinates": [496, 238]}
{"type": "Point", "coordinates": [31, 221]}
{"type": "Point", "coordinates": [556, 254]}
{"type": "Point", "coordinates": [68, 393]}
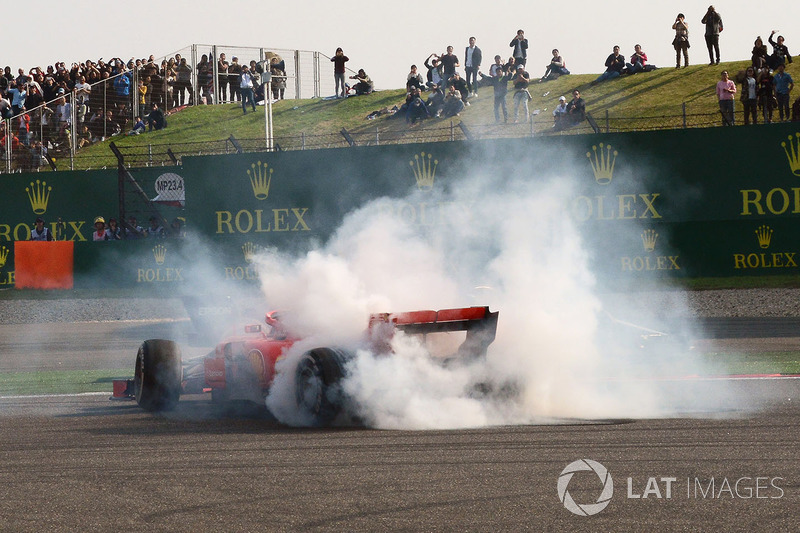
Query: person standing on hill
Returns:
{"type": "Point", "coordinates": [520, 46]}
{"type": "Point", "coordinates": [681, 41]}
{"type": "Point", "coordinates": [713, 22]}
{"type": "Point", "coordinates": [472, 63]}
{"type": "Point", "coordinates": [726, 90]}
{"type": "Point", "coordinates": [750, 96]}
{"type": "Point", "coordinates": [783, 86]}
{"type": "Point", "coordinates": [339, 59]}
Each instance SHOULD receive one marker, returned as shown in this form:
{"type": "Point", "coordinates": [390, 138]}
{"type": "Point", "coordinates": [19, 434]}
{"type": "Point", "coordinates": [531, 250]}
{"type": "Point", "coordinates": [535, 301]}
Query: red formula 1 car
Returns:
{"type": "Point", "coordinates": [243, 366]}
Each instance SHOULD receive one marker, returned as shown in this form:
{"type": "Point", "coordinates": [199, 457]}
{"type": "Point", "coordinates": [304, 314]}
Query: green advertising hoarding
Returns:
{"type": "Point", "coordinates": [701, 202]}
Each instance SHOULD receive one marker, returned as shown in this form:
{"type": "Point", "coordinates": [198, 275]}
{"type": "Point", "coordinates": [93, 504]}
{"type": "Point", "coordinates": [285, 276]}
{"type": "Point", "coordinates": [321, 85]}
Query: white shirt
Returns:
{"type": "Point", "coordinates": [247, 80]}
{"type": "Point", "coordinates": [468, 62]}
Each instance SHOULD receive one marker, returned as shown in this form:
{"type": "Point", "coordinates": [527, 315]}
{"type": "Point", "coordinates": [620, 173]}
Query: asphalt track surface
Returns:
{"type": "Point", "coordinates": [82, 463]}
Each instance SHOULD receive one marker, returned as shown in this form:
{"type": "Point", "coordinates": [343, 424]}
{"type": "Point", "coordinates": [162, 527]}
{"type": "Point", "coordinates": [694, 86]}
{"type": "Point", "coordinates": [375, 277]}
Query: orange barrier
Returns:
{"type": "Point", "coordinates": [43, 264]}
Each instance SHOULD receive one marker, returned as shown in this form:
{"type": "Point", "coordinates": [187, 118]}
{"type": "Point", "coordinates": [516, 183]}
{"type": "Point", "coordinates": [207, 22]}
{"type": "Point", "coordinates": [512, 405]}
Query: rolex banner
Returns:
{"type": "Point", "coordinates": [701, 202]}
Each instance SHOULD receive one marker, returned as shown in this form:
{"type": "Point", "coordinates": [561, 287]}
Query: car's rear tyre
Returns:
{"type": "Point", "coordinates": [318, 385]}
{"type": "Point", "coordinates": [157, 379]}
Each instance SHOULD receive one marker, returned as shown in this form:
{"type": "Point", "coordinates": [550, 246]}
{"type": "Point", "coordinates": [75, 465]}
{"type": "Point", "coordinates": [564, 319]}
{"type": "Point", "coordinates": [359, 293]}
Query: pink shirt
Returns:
{"type": "Point", "coordinates": [722, 94]}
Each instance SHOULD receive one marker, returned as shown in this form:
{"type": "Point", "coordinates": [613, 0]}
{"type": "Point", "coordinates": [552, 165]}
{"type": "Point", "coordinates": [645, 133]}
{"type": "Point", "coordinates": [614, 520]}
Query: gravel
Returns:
{"type": "Point", "coordinates": [709, 303]}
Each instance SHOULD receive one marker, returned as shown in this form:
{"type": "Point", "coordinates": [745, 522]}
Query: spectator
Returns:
{"type": "Point", "coordinates": [750, 96]}
{"type": "Point", "coordinates": [142, 97]}
{"type": "Point", "coordinates": [499, 81]}
{"type": "Point", "coordinates": [497, 65]}
{"type": "Point", "coordinates": [472, 63]}
{"type": "Point", "coordinates": [40, 232]}
{"type": "Point", "coordinates": [155, 231]}
{"type": "Point", "coordinates": [83, 93]}
{"type": "Point", "coordinates": [435, 102]}
{"type": "Point", "coordinates": [278, 73]}
{"type": "Point", "coordinates": [414, 79]}
{"type": "Point", "coordinates": [339, 59]}
{"type": "Point", "coordinates": [783, 87]}
{"type": "Point", "coordinates": [415, 107]}
{"type": "Point", "coordinates": [560, 114]}
{"type": "Point", "coordinates": [556, 67]}
{"type": "Point", "coordinates": [461, 86]}
{"type": "Point", "coordinates": [246, 89]}
{"type": "Point", "coordinates": [222, 78]}
{"type": "Point", "coordinates": [364, 85]}
{"type": "Point", "coordinates": [156, 119]}
{"type": "Point", "coordinates": [18, 95]}
{"type": "Point", "coordinates": [713, 22]}
{"type": "Point", "coordinates": [205, 78]}
{"type": "Point", "coordinates": [5, 107]}
{"type": "Point", "coordinates": [449, 63]}
{"type": "Point", "coordinates": [113, 231]}
{"type": "Point", "coordinates": [122, 90]}
{"type": "Point", "coordinates": [796, 110]}
{"type": "Point", "coordinates": [183, 82]}
{"type": "Point", "coordinates": [99, 233]}
{"type": "Point", "coordinates": [453, 105]}
{"type": "Point", "coordinates": [434, 67]}
{"type": "Point", "coordinates": [780, 54]}
{"type": "Point", "coordinates": [576, 109]}
{"type": "Point", "coordinates": [759, 57]}
{"type": "Point", "coordinates": [234, 73]}
{"type": "Point", "coordinates": [726, 90]}
{"type": "Point", "coordinates": [638, 61]}
{"type": "Point", "coordinates": [521, 94]}
{"type": "Point", "coordinates": [614, 65]}
{"type": "Point", "coordinates": [133, 230]}
{"type": "Point", "coordinates": [520, 46]}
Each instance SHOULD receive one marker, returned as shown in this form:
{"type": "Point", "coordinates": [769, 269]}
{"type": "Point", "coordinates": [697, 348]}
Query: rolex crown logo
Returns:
{"type": "Point", "coordinates": [603, 163]}
{"type": "Point", "coordinates": [764, 236]}
{"type": "Point", "coordinates": [260, 178]}
{"type": "Point", "coordinates": [3, 256]}
{"type": "Point", "coordinates": [649, 238]}
{"type": "Point", "coordinates": [250, 250]}
{"type": "Point", "coordinates": [39, 195]}
{"type": "Point", "coordinates": [160, 253]}
{"type": "Point", "coordinates": [793, 152]}
{"type": "Point", "coordinates": [424, 171]}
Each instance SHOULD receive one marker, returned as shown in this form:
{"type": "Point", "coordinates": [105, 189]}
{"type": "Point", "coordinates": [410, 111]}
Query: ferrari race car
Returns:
{"type": "Point", "coordinates": [242, 366]}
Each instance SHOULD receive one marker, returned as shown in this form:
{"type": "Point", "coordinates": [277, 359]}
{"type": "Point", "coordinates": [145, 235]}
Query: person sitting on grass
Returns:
{"type": "Point", "coordinates": [556, 67]}
{"type": "Point", "coordinates": [364, 85]}
{"type": "Point", "coordinates": [615, 62]}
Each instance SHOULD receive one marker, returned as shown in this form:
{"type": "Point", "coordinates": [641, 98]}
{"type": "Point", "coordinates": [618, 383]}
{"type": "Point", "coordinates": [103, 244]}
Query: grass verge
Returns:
{"type": "Point", "coordinates": [59, 381]}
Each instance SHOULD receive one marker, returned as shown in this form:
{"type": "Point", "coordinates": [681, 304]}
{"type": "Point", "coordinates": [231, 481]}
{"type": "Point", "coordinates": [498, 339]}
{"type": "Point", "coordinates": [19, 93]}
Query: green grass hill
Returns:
{"type": "Point", "coordinates": [664, 98]}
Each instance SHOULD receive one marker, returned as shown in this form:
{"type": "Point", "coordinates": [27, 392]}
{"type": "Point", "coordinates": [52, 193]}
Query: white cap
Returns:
{"type": "Point", "coordinates": [562, 98]}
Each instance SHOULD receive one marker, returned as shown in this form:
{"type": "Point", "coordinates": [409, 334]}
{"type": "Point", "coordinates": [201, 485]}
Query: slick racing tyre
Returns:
{"type": "Point", "coordinates": [157, 380]}
{"type": "Point", "coordinates": [318, 385]}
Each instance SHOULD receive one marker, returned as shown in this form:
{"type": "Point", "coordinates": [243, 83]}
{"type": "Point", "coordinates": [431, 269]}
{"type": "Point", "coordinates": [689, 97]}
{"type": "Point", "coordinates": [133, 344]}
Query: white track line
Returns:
{"type": "Point", "coordinates": [74, 395]}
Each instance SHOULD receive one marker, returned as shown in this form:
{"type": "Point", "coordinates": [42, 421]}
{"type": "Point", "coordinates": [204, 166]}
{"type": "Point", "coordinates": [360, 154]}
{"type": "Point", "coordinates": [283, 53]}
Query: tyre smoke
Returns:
{"type": "Point", "coordinates": [516, 250]}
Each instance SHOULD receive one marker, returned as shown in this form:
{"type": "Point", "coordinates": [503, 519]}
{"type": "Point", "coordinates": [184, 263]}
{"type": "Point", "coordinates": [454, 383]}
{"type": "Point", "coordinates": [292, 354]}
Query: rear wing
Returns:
{"type": "Point", "coordinates": [479, 322]}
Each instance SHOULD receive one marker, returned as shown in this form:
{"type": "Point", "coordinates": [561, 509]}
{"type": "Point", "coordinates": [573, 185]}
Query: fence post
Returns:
{"type": "Point", "coordinates": [297, 74]}
{"type": "Point", "coordinates": [215, 74]}
{"type": "Point", "coordinates": [302, 140]}
{"type": "Point", "coordinates": [452, 131]}
{"type": "Point", "coordinates": [683, 112]}
{"type": "Point", "coordinates": [195, 89]}
{"type": "Point", "coordinates": [607, 125]}
{"type": "Point", "coordinates": [377, 137]}
{"type": "Point", "coordinates": [9, 137]}
{"type": "Point", "coordinates": [317, 90]}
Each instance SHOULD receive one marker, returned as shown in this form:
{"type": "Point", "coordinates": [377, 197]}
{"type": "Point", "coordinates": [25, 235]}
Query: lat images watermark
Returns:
{"type": "Point", "coordinates": [586, 509]}
{"type": "Point", "coordinates": [662, 487]}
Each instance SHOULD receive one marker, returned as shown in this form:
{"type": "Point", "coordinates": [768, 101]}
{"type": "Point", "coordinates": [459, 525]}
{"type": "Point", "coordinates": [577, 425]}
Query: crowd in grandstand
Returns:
{"type": "Point", "coordinates": [107, 98]}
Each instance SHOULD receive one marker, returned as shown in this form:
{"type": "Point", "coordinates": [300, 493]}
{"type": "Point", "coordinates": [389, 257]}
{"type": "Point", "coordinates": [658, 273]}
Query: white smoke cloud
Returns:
{"type": "Point", "coordinates": [519, 241]}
